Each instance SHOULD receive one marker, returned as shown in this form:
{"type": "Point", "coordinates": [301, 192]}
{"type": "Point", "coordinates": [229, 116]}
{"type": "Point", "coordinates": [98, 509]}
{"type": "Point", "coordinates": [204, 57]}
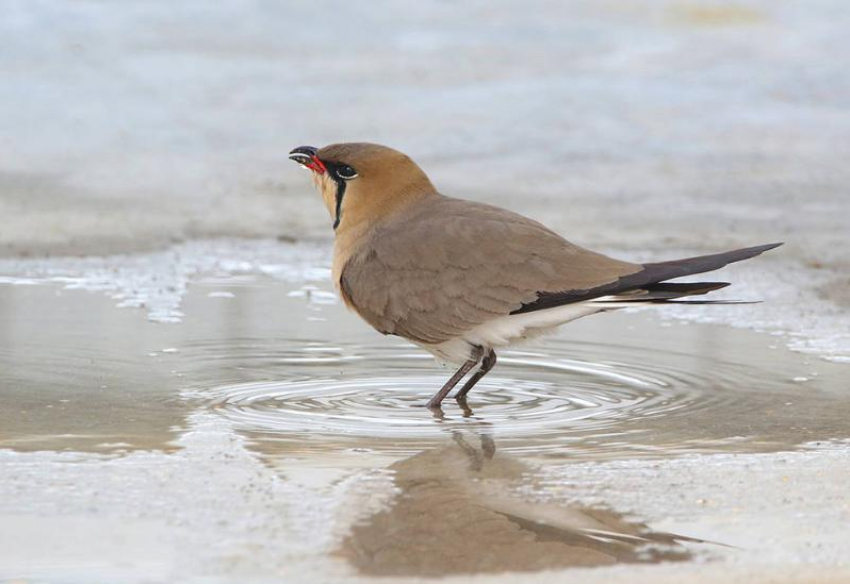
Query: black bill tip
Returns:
{"type": "Point", "coordinates": [303, 154]}
{"type": "Point", "coordinates": [307, 157]}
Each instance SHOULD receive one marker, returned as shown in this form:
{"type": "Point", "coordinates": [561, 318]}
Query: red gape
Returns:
{"type": "Point", "coordinates": [317, 165]}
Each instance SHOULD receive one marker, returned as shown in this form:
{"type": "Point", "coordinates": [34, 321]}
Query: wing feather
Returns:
{"type": "Point", "coordinates": [447, 266]}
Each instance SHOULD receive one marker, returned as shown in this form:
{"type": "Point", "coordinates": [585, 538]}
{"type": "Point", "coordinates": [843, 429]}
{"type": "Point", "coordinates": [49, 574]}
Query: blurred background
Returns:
{"type": "Point", "coordinates": [642, 124]}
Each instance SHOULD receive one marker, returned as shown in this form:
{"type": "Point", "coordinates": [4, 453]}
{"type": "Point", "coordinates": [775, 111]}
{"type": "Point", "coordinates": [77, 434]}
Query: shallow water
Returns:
{"type": "Point", "coordinates": [308, 378]}
{"type": "Point", "coordinates": [278, 373]}
{"type": "Point", "coordinates": [684, 392]}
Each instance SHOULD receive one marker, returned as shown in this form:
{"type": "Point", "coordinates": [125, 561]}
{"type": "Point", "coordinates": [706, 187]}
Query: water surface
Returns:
{"type": "Point", "coordinates": [278, 374]}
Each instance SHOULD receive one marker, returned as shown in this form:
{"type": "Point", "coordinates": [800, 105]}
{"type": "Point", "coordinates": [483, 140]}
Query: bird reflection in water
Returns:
{"type": "Point", "coordinates": [458, 511]}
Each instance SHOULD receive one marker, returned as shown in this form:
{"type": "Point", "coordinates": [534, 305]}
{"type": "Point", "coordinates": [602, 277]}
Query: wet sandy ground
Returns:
{"type": "Point", "coordinates": [265, 433]}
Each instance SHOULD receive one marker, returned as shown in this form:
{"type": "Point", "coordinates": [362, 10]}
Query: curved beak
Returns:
{"type": "Point", "coordinates": [307, 157]}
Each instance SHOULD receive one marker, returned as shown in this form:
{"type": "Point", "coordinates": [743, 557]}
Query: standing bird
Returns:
{"type": "Point", "coordinates": [460, 278]}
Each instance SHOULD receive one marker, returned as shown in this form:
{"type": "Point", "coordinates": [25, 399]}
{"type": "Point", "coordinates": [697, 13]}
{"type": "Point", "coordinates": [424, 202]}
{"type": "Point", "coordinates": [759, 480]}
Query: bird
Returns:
{"type": "Point", "coordinates": [461, 278]}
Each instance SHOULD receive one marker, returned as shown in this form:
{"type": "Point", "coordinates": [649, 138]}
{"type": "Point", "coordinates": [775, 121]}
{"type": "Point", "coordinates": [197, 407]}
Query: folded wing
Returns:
{"type": "Point", "coordinates": [447, 266]}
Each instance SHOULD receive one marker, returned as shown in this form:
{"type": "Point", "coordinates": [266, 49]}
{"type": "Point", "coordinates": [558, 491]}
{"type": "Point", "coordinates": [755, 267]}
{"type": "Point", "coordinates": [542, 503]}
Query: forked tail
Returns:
{"type": "Point", "coordinates": [650, 284]}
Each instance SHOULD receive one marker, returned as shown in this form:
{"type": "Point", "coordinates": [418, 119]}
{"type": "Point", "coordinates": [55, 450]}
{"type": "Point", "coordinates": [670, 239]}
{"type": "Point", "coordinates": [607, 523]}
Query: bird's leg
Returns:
{"type": "Point", "coordinates": [486, 365]}
{"type": "Point", "coordinates": [438, 398]}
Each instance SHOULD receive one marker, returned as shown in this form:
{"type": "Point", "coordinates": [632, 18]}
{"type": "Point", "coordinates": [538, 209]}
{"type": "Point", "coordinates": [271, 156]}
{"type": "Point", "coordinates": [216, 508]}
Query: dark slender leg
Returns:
{"type": "Point", "coordinates": [486, 365]}
{"type": "Point", "coordinates": [438, 398]}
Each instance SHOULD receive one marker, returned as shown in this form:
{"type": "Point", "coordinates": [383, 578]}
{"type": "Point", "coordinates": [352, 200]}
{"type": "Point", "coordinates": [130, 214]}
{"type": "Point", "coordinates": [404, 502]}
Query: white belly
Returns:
{"type": "Point", "coordinates": [512, 329]}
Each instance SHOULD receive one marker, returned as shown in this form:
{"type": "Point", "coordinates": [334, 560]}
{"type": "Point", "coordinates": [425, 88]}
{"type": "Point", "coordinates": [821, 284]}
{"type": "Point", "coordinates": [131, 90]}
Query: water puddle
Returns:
{"type": "Point", "coordinates": [281, 372]}
{"type": "Point", "coordinates": [306, 378]}
{"type": "Point", "coordinates": [76, 374]}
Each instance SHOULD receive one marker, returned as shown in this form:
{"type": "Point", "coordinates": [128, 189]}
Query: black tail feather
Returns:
{"type": "Point", "coordinates": [652, 278]}
{"type": "Point", "coordinates": [665, 291]}
{"type": "Point", "coordinates": [659, 271]}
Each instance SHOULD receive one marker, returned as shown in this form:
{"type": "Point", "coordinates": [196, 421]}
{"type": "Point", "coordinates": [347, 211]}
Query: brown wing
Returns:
{"type": "Point", "coordinates": [448, 265]}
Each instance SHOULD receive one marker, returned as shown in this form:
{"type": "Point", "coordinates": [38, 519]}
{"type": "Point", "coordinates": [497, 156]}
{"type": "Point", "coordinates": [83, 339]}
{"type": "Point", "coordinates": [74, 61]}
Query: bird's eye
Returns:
{"type": "Point", "coordinates": [346, 172]}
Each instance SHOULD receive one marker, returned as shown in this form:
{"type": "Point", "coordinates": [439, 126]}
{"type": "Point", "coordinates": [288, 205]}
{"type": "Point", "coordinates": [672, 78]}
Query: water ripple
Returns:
{"type": "Point", "coordinates": [317, 397]}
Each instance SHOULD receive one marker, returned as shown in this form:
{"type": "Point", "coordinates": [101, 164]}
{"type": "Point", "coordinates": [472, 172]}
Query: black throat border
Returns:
{"type": "Point", "coordinates": [340, 193]}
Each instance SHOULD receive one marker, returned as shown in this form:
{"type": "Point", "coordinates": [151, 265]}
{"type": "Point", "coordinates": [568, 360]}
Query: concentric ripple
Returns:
{"type": "Point", "coordinates": [605, 399]}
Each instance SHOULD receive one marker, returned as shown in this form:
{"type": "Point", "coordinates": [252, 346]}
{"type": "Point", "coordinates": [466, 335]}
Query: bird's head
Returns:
{"type": "Point", "coordinates": [361, 182]}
